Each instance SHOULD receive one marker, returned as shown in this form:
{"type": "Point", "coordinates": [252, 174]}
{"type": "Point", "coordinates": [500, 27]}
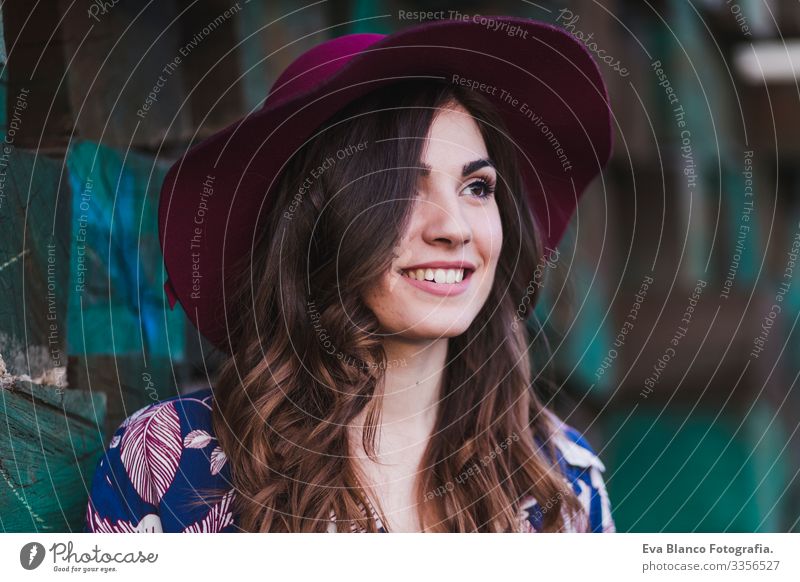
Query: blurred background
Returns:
{"type": "Point", "coordinates": [667, 331]}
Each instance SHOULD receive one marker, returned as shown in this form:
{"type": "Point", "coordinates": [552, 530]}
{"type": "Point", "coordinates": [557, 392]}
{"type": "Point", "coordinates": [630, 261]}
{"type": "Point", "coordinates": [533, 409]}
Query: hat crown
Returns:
{"type": "Point", "coordinates": [317, 64]}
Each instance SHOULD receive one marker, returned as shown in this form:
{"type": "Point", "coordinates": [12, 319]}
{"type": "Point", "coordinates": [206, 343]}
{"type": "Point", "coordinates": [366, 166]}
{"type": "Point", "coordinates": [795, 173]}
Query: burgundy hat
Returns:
{"type": "Point", "coordinates": [543, 82]}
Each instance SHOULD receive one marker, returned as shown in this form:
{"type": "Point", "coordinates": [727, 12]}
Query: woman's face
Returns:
{"type": "Point", "coordinates": [445, 263]}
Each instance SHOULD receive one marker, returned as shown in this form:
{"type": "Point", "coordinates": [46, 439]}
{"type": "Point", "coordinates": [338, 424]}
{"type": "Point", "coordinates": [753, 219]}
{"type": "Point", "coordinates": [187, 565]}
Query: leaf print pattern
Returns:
{"type": "Point", "coordinates": [527, 505]}
{"type": "Point", "coordinates": [151, 449]}
{"type": "Point", "coordinates": [97, 524]}
{"type": "Point", "coordinates": [580, 523]}
{"type": "Point", "coordinates": [134, 416]}
{"type": "Point", "coordinates": [608, 524]}
{"type": "Point", "coordinates": [150, 523]}
{"type": "Point", "coordinates": [577, 455]}
{"type": "Point", "coordinates": [218, 460]}
{"type": "Point", "coordinates": [218, 518]}
{"type": "Point", "coordinates": [197, 439]}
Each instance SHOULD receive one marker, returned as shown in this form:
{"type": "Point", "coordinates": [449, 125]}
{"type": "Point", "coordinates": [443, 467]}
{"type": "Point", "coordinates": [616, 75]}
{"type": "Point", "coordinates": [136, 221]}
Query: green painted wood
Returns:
{"type": "Point", "coordinates": [49, 446]}
{"type": "Point", "coordinates": [2, 40]}
{"type": "Point", "coordinates": [270, 35]}
{"type": "Point", "coordinates": [34, 262]}
{"type": "Point", "coordinates": [257, 75]}
{"type": "Point", "coordinates": [581, 339]}
{"type": "Point", "coordinates": [364, 13]}
{"type": "Point", "coordinates": [765, 429]}
{"type": "Point", "coordinates": [667, 475]}
{"type": "Point", "coordinates": [3, 75]}
{"type": "Point", "coordinates": [117, 303]}
{"type": "Point", "coordinates": [3, 96]}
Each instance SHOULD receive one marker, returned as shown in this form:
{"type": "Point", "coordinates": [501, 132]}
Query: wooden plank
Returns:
{"type": "Point", "coordinates": [34, 262]}
{"type": "Point", "coordinates": [211, 64]}
{"type": "Point", "coordinates": [49, 446]}
{"type": "Point", "coordinates": [3, 75]}
{"type": "Point", "coordinates": [120, 54]}
{"type": "Point", "coordinates": [116, 299]}
{"type": "Point", "coordinates": [36, 63]}
{"type": "Point", "coordinates": [679, 472]}
{"type": "Point", "coordinates": [121, 337]}
{"type": "Point", "coordinates": [127, 381]}
{"type": "Point", "coordinates": [268, 42]}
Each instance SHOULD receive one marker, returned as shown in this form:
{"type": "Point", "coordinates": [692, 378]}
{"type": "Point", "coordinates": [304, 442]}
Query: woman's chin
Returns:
{"type": "Point", "coordinates": [431, 330]}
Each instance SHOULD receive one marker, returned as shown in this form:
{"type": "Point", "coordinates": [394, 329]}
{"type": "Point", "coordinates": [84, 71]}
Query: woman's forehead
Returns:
{"type": "Point", "coordinates": [454, 139]}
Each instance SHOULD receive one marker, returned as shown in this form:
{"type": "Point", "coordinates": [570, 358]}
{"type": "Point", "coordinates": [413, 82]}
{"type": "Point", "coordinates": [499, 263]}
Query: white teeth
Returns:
{"type": "Point", "coordinates": [440, 276]}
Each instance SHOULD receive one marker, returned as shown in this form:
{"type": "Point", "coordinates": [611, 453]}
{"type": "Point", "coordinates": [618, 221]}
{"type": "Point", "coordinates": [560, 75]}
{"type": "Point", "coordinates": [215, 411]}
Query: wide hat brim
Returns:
{"type": "Point", "coordinates": [542, 80]}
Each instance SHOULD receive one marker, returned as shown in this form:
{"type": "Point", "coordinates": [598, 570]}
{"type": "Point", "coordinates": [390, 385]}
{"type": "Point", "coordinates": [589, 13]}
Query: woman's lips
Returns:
{"type": "Point", "coordinates": [441, 289]}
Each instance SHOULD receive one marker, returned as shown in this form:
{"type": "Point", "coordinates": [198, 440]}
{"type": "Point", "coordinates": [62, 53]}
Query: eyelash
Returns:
{"type": "Point", "coordinates": [488, 185]}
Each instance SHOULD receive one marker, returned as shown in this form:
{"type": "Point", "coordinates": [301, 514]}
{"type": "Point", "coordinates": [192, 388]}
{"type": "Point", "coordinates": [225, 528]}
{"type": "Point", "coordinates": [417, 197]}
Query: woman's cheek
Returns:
{"type": "Point", "coordinates": [383, 301]}
{"type": "Point", "coordinates": [493, 240]}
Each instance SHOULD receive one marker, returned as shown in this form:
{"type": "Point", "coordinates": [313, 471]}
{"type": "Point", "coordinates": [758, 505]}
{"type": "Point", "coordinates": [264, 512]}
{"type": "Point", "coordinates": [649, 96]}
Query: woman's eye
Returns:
{"type": "Point", "coordinates": [481, 188]}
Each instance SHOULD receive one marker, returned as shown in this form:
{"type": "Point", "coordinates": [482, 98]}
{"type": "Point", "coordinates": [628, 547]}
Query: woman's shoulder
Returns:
{"type": "Point", "coordinates": [169, 431]}
{"type": "Point", "coordinates": [583, 473]}
{"type": "Point", "coordinates": [160, 463]}
{"type": "Point", "coordinates": [573, 445]}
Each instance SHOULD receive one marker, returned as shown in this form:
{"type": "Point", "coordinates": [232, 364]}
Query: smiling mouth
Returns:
{"type": "Point", "coordinates": [440, 276]}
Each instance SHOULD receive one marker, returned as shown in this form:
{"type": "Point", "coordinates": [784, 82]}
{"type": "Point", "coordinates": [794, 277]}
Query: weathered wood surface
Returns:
{"type": "Point", "coordinates": [36, 61]}
{"type": "Point", "coordinates": [116, 298]}
{"type": "Point", "coordinates": [34, 261]}
{"type": "Point", "coordinates": [49, 446]}
{"type": "Point", "coordinates": [128, 381]}
{"type": "Point", "coordinates": [118, 71]}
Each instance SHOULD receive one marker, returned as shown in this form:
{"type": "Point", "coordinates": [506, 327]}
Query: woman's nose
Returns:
{"type": "Point", "coordinates": [445, 220]}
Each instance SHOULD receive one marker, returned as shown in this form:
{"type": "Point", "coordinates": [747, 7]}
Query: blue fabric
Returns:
{"type": "Point", "coordinates": [165, 456]}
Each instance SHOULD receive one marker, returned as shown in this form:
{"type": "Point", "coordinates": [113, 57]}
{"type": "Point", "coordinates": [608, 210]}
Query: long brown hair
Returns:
{"type": "Point", "coordinates": [308, 358]}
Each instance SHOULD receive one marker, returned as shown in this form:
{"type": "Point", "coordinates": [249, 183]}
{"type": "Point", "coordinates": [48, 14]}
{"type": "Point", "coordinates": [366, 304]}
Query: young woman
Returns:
{"type": "Point", "coordinates": [373, 310]}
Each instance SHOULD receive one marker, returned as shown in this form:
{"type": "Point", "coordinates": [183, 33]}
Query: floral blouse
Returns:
{"type": "Point", "coordinates": [162, 455]}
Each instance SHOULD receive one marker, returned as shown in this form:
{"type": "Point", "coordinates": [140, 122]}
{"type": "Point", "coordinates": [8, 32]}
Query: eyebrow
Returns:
{"type": "Point", "coordinates": [466, 170]}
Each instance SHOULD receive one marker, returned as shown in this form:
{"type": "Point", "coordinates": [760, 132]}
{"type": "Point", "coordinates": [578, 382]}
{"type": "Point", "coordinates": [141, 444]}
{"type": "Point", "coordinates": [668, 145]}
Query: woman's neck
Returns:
{"type": "Point", "coordinates": [409, 405]}
{"type": "Point", "coordinates": [411, 388]}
